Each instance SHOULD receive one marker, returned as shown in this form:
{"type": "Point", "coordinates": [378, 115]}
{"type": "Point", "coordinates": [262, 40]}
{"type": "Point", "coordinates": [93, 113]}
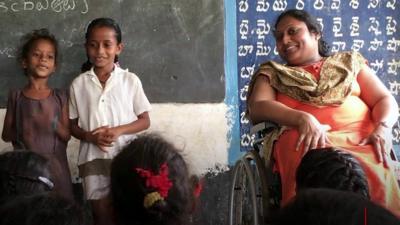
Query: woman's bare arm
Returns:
{"type": "Point", "coordinates": [264, 107]}
{"type": "Point", "coordinates": [384, 112]}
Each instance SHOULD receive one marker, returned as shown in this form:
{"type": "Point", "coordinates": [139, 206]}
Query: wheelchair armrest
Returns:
{"type": "Point", "coordinates": [393, 155]}
{"type": "Point", "coordinates": [263, 127]}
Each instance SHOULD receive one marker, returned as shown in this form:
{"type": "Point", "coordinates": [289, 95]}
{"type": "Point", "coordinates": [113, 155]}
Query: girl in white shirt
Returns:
{"type": "Point", "coordinates": [107, 108]}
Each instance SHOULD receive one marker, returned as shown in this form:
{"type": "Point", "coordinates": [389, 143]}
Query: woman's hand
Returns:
{"type": "Point", "coordinates": [380, 138]}
{"type": "Point", "coordinates": [311, 133]}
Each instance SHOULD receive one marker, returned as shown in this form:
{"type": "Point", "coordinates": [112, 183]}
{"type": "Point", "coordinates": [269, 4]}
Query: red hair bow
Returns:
{"type": "Point", "coordinates": [197, 189]}
{"type": "Point", "coordinates": [159, 181]}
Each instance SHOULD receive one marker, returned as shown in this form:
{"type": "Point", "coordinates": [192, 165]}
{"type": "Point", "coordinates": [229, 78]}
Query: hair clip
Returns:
{"type": "Point", "coordinates": [151, 198]}
{"type": "Point", "coordinates": [46, 181]}
{"type": "Point", "coordinates": [160, 182]}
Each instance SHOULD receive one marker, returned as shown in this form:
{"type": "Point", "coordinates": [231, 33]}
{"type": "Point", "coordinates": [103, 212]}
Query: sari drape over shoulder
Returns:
{"type": "Point", "coordinates": [329, 91]}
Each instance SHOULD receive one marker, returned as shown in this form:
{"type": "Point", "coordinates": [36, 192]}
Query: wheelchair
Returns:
{"type": "Point", "coordinates": [255, 191]}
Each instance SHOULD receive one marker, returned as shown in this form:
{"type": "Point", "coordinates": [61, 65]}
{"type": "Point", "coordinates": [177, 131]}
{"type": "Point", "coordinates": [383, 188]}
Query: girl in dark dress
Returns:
{"type": "Point", "coordinates": [37, 115]}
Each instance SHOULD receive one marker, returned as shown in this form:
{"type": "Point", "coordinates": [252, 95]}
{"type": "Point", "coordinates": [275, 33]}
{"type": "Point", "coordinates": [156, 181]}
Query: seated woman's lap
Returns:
{"type": "Point", "coordinates": [382, 182]}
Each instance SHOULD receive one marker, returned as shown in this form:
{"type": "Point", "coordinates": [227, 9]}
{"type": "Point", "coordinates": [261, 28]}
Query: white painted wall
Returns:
{"type": "Point", "coordinates": [201, 130]}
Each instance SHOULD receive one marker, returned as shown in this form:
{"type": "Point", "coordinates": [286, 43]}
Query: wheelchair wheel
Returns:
{"type": "Point", "coordinates": [249, 192]}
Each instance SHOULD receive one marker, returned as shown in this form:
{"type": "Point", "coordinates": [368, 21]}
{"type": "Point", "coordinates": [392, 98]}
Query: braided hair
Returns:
{"type": "Point", "coordinates": [331, 168]}
{"type": "Point", "coordinates": [129, 190]}
{"type": "Point", "coordinates": [22, 173]}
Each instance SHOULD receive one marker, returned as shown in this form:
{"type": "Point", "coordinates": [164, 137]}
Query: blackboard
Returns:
{"type": "Point", "coordinates": [176, 47]}
{"type": "Point", "coordinates": [368, 26]}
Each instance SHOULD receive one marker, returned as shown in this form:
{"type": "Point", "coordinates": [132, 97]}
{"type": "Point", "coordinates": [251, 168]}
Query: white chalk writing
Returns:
{"type": "Point", "coordinates": [318, 4]}
{"type": "Point", "coordinates": [276, 51]}
{"type": "Point", "coordinates": [244, 29]}
{"type": "Point", "coordinates": [262, 6]}
{"type": "Point", "coordinates": [393, 66]}
{"type": "Point", "coordinates": [247, 71]}
{"type": "Point", "coordinates": [391, 4]}
{"type": "Point", "coordinates": [245, 50]}
{"type": "Point", "coordinates": [338, 46]}
{"type": "Point", "coordinates": [393, 45]}
{"type": "Point", "coordinates": [354, 4]}
{"type": "Point", "coordinates": [245, 140]}
{"type": "Point", "coordinates": [394, 87]}
{"type": "Point", "coordinates": [335, 4]}
{"type": "Point", "coordinates": [243, 6]}
{"type": "Point", "coordinates": [243, 92]}
{"type": "Point", "coordinates": [279, 5]}
{"type": "Point", "coordinates": [391, 25]}
{"type": "Point", "coordinates": [243, 118]}
{"type": "Point", "coordinates": [262, 50]}
{"type": "Point", "coordinates": [9, 52]}
{"type": "Point", "coordinates": [300, 5]}
{"type": "Point", "coordinates": [373, 4]}
{"type": "Point", "coordinates": [44, 5]}
{"type": "Point", "coordinates": [337, 26]}
{"type": "Point", "coordinates": [354, 27]}
{"type": "Point", "coordinates": [357, 45]}
{"type": "Point", "coordinates": [376, 65]}
{"type": "Point", "coordinates": [374, 27]}
{"type": "Point", "coordinates": [375, 44]}
{"type": "Point", "coordinates": [263, 29]}
{"type": "Point", "coordinates": [321, 23]}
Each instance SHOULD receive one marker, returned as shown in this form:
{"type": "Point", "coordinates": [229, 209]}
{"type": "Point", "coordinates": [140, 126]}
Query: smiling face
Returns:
{"type": "Point", "coordinates": [295, 43]}
{"type": "Point", "coordinates": [40, 61]}
{"type": "Point", "coordinates": [102, 47]}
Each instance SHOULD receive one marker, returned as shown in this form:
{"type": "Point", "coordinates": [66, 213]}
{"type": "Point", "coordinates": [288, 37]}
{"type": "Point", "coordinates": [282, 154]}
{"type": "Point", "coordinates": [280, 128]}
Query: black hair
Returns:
{"type": "Point", "coordinates": [128, 188]}
{"type": "Point", "coordinates": [23, 172]}
{"type": "Point", "coordinates": [331, 168]}
{"type": "Point", "coordinates": [101, 22]}
{"type": "Point", "coordinates": [29, 39]}
{"type": "Point", "coordinates": [43, 209]}
{"type": "Point", "coordinates": [330, 207]}
{"type": "Point", "coordinates": [312, 24]}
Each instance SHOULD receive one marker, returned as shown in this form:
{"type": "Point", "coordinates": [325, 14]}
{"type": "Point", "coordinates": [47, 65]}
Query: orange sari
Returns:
{"type": "Point", "coordinates": [351, 122]}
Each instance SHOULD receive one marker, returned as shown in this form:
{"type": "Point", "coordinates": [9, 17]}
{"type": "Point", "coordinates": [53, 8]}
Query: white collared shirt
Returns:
{"type": "Point", "coordinates": [117, 104]}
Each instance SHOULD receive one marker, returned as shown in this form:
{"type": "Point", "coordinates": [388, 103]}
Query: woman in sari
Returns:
{"type": "Point", "coordinates": [322, 100]}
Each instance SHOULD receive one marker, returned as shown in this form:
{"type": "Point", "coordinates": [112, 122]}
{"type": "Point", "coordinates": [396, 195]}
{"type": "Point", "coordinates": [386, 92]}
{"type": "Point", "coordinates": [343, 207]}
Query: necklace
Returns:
{"type": "Point", "coordinates": [104, 79]}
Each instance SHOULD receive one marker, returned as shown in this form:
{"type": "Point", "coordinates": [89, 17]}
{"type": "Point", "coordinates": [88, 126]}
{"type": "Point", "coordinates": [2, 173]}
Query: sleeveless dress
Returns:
{"type": "Point", "coordinates": [34, 126]}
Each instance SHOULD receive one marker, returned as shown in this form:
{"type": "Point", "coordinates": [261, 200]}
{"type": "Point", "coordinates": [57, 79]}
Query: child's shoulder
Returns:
{"type": "Point", "coordinates": [61, 95]}
{"type": "Point", "coordinates": [14, 96]}
{"type": "Point", "coordinates": [127, 75]}
{"type": "Point", "coordinates": [81, 77]}
{"type": "Point", "coordinates": [14, 93]}
{"type": "Point", "coordinates": [60, 92]}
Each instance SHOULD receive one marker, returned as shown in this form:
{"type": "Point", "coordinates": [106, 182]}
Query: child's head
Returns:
{"type": "Point", "coordinates": [38, 54]}
{"type": "Point", "coordinates": [150, 183]}
{"type": "Point", "coordinates": [331, 168]}
{"type": "Point", "coordinates": [328, 206]}
{"type": "Point", "coordinates": [44, 209]}
{"type": "Point", "coordinates": [23, 172]}
{"type": "Point", "coordinates": [103, 43]}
